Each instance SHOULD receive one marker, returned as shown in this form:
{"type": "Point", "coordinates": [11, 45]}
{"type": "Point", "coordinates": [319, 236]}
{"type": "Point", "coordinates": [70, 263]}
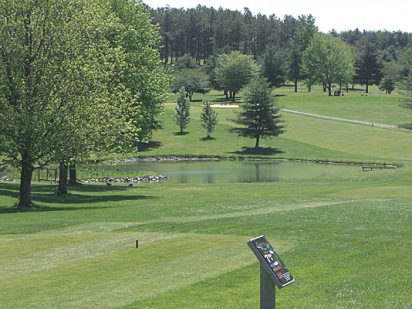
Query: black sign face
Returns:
{"type": "Point", "coordinates": [272, 262]}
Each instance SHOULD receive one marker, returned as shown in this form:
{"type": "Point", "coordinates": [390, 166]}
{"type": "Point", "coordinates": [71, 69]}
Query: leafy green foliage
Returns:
{"type": "Point", "coordinates": [274, 66]}
{"type": "Point", "coordinates": [305, 30]}
{"type": "Point", "coordinates": [182, 110]}
{"type": "Point", "coordinates": [328, 60]}
{"type": "Point", "coordinates": [405, 62]}
{"type": "Point", "coordinates": [76, 76]}
{"type": "Point", "coordinates": [387, 85]}
{"type": "Point", "coordinates": [208, 118]}
{"type": "Point", "coordinates": [405, 79]}
{"type": "Point", "coordinates": [144, 81]}
{"type": "Point", "coordinates": [54, 78]}
{"type": "Point", "coordinates": [192, 80]}
{"type": "Point", "coordinates": [185, 62]}
{"type": "Point", "coordinates": [234, 71]}
{"type": "Point", "coordinates": [405, 89]}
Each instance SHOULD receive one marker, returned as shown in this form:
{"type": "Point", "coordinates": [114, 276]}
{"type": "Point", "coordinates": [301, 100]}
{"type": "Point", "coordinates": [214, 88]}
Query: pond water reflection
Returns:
{"type": "Point", "coordinates": [235, 171]}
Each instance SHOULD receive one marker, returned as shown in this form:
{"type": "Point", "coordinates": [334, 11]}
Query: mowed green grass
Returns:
{"type": "Point", "coordinates": [306, 137]}
{"type": "Point", "coordinates": [346, 240]}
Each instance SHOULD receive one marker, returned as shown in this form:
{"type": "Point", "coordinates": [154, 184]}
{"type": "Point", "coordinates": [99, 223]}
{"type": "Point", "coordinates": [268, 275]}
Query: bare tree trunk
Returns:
{"type": "Point", "coordinates": [330, 89]}
{"type": "Point", "coordinates": [73, 174]}
{"type": "Point", "coordinates": [63, 172]}
{"type": "Point", "coordinates": [25, 186]}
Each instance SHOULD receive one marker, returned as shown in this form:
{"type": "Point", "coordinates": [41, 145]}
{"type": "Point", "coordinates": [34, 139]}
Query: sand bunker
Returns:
{"type": "Point", "coordinates": [225, 105]}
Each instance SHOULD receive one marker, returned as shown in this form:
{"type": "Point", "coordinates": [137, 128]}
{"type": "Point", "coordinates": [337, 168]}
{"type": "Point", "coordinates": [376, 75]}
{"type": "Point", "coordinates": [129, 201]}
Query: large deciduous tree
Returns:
{"type": "Point", "coordinates": [50, 70]}
{"type": "Point", "coordinates": [137, 87]}
{"type": "Point", "coordinates": [65, 76]}
{"type": "Point", "coordinates": [259, 117]}
{"type": "Point", "coordinates": [144, 81]}
{"type": "Point", "coordinates": [234, 71]}
{"type": "Point", "coordinates": [328, 60]}
{"type": "Point", "coordinates": [192, 80]}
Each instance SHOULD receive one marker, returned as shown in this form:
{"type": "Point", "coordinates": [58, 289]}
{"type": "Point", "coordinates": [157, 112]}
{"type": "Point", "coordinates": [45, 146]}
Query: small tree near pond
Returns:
{"type": "Point", "coordinates": [182, 110]}
{"type": "Point", "coordinates": [259, 116]}
{"type": "Point", "coordinates": [208, 118]}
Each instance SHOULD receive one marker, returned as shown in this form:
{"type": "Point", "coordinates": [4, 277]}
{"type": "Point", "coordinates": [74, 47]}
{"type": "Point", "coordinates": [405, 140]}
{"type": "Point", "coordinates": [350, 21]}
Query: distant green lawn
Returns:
{"type": "Point", "coordinates": [346, 239]}
{"type": "Point", "coordinates": [376, 106]}
{"type": "Point", "coordinates": [305, 137]}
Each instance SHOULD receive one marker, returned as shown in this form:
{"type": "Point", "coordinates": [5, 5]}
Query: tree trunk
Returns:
{"type": "Point", "coordinates": [296, 85]}
{"type": "Point", "coordinates": [73, 174]}
{"type": "Point", "coordinates": [257, 141]}
{"type": "Point", "coordinates": [63, 172]}
{"type": "Point", "coordinates": [367, 87]}
{"type": "Point", "coordinates": [25, 187]}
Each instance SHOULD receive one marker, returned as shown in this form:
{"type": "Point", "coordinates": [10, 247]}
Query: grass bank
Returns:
{"type": "Point", "coordinates": [306, 137]}
{"type": "Point", "coordinates": [346, 241]}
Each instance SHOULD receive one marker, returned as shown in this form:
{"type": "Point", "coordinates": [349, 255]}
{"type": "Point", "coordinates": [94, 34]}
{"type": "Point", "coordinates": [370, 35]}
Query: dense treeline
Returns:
{"type": "Point", "coordinates": [202, 32]}
{"type": "Point", "coordinates": [197, 37]}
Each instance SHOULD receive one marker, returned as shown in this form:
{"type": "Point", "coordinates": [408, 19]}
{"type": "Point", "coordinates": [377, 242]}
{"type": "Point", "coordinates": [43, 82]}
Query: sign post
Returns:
{"type": "Point", "coordinates": [267, 290]}
{"type": "Point", "coordinates": [272, 271]}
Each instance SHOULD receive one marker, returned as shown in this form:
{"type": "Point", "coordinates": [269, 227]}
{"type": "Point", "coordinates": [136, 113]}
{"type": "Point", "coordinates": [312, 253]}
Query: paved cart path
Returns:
{"type": "Point", "coordinates": [372, 124]}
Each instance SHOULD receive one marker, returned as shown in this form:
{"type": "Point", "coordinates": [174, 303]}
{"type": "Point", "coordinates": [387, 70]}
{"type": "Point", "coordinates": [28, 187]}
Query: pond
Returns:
{"type": "Point", "coordinates": [227, 171]}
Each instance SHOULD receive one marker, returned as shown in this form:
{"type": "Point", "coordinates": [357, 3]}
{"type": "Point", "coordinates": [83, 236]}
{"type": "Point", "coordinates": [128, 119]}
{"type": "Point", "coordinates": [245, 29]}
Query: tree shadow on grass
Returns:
{"type": "Point", "coordinates": [181, 133]}
{"type": "Point", "coordinates": [207, 138]}
{"type": "Point", "coordinates": [228, 102]}
{"type": "Point", "coordinates": [197, 100]}
{"type": "Point", "coordinates": [267, 151]}
{"type": "Point", "coordinates": [149, 146]}
{"type": "Point", "coordinates": [44, 195]}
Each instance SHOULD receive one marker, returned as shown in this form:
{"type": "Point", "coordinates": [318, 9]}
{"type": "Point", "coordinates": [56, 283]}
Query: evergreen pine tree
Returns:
{"type": "Point", "coordinates": [259, 116]}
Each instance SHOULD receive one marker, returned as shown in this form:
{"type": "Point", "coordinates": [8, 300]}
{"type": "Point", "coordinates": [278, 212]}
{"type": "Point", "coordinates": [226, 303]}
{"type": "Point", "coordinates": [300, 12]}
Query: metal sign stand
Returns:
{"type": "Point", "coordinates": [273, 272]}
{"type": "Point", "coordinates": [267, 290]}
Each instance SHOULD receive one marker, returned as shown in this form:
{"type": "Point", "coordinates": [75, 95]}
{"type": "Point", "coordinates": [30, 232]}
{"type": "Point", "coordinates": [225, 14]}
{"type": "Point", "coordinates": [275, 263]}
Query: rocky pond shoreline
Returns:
{"type": "Point", "coordinates": [125, 180]}
{"type": "Point", "coordinates": [107, 180]}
